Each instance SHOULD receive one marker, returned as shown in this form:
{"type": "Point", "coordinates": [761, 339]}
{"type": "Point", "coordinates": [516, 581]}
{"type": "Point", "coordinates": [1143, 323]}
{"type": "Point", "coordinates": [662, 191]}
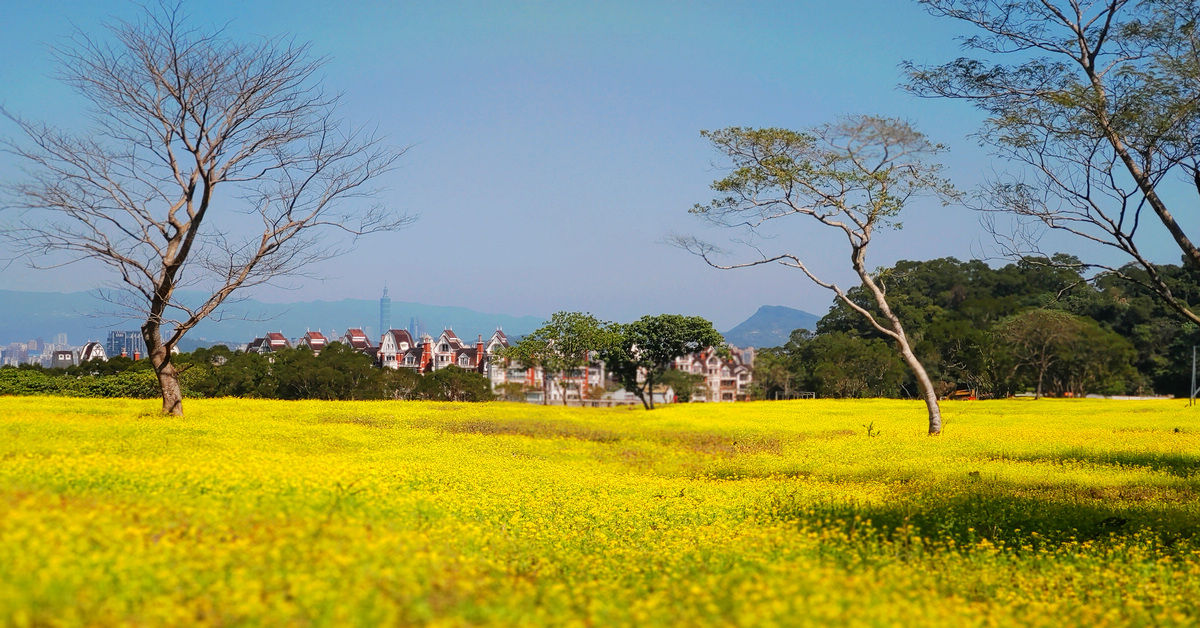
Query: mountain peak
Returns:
{"type": "Point", "coordinates": [770, 326]}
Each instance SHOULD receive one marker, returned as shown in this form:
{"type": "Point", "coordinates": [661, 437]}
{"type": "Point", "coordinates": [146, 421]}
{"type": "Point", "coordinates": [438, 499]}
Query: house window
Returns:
{"type": "Point", "coordinates": [463, 361]}
{"type": "Point", "coordinates": [444, 347]}
{"type": "Point", "coordinates": [410, 360]}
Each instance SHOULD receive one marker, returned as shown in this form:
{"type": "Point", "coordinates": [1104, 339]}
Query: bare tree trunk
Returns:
{"type": "Point", "coordinates": [159, 355]}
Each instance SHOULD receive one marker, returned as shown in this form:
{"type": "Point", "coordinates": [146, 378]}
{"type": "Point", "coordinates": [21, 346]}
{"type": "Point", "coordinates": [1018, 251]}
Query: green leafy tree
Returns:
{"type": "Point", "coordinates": [780, 371]}
{"type": "Point", "coordinates": [399, 384]}
{"type": "Point", "coordinates": [561, 347]}
{"type": "Point", "coordinates": [454, 384]}
{"type": "Point", "coordinates": [844, 366]}
{"type": "Point", "coordinates": [686, 385]}
{"type": "Point", "coordinates": [339, 372]}
{"type": "Point", "coordinates": [645, 349]}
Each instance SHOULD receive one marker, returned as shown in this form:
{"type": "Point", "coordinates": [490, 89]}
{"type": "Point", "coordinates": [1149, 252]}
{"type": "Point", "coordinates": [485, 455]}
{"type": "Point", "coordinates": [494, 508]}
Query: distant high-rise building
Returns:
{"type": "Point", "coordinates": [60, 339]}
{"type": "Point", "coordinates": [128, 343]}
{"type": "Point", "coordinates": [385, 312]}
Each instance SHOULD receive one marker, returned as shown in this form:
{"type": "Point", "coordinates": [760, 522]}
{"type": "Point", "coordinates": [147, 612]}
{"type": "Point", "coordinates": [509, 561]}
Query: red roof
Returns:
{"type": "Point", "coordinates": [402, 335]}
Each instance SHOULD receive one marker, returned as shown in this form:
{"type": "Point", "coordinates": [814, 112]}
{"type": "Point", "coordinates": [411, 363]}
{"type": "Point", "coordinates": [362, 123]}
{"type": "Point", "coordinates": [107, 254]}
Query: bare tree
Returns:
{"type": "Point", "coordinates": [1036, 340]}
{"type": "Point", "coordinates": [180, 113]}
{"type": "Point", "coordinates": [853, 177]}
{"type": "Point", "coordinates": [1100, 103]}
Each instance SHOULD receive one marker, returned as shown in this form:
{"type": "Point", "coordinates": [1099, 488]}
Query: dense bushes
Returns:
{"type": "Point", "coordinates": [139, 384]}
{"type": "Point", "coordinates": [338, 373]}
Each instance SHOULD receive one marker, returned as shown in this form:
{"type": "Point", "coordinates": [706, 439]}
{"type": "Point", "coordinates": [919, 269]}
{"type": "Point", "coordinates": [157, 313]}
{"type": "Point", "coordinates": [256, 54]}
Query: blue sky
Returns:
{"type": "Point", "coordinates": [554, 145]}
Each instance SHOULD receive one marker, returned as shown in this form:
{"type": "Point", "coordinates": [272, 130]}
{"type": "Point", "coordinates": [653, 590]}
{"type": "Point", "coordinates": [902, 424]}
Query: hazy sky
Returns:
{"type": "Point", "coordinates": [554, 145]}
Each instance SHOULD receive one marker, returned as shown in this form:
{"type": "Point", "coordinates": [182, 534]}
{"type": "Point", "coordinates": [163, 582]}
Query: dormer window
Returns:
{"type": "Point", "coordinates": [463, 360]}
{"type": "Point", "coordinates": [444, 347]}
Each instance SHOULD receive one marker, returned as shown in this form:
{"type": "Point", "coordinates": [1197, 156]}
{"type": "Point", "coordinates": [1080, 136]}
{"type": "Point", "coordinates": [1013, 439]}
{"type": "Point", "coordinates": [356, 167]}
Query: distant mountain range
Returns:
{"type": "Point", "coordinates": [28, 315]}
{"type": "Point", "coordinates": [770, 326]}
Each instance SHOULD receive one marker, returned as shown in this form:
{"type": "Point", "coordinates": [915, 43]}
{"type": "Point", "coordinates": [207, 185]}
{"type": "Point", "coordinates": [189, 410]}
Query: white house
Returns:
{"type": "Point", "coordinates": [725, 379]}
{"type": "Point", "coordinates": [92, 351]}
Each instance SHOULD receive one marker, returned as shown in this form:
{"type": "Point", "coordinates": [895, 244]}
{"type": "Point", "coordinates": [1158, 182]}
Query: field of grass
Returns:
{"type": "Point", "coordinates": [372, 513]}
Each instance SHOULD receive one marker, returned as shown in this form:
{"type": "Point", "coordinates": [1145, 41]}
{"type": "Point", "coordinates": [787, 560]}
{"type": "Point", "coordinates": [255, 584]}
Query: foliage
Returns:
{"type": "Point", "coordinates": [835, 364]}
{"type": "Point", "coordinates": [645, 349]}
{"type": "Point", "coordinates": [135, 383]}
{"type": "Point", "coordinates": [511, 391]}
{"type": "Point", "coordinates": [253, 512]}
{"type": "Point", "coordinates": [565, 344]}
{"type": "Point", "coordinates": [1037, 339]}
{"type": "Point", "coordinates": [952, 311]}
{"type": "Point", "coordinates": [453, 384]}
{"type": "Point", "coordinates": [686, 385]}
{"type": "Point", "coordinates": [337, 373]}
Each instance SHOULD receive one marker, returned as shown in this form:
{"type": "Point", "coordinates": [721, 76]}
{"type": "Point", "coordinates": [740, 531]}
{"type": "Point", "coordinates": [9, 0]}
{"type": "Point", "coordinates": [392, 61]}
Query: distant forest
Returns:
{"type": "Point", "coordinates": [1032, 326]}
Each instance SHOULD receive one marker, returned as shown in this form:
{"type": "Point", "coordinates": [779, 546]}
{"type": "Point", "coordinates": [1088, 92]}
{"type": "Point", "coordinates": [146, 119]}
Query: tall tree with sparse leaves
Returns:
{"type": "Point", "coordinates": [1099, 103]}
{"type": "Point", "coordinates": [852, 177]}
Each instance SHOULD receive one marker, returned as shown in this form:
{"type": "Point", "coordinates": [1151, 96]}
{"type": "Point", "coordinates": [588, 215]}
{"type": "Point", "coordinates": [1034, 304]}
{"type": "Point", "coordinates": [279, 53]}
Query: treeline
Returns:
{"type": "Point", "coordinates": [1035, 326]}
{"type": "Point", "coordinates": [337, 373]}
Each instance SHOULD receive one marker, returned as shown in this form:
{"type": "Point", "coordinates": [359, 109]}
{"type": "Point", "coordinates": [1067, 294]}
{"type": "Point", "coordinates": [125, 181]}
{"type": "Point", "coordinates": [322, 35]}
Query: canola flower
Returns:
{"type": "Point", "coordinates": [1047, 513]}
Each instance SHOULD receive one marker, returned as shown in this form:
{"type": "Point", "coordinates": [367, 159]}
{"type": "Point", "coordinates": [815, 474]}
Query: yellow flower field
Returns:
{"type": "Point", "coordinates": [1045, 513]}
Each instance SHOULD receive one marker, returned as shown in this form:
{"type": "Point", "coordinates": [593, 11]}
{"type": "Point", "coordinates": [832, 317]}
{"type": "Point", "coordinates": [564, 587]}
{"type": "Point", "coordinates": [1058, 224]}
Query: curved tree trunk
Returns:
{"type": "Point", "coordinates": [925, 385]}
{"type": "Point", "coordinates": [923, 382]}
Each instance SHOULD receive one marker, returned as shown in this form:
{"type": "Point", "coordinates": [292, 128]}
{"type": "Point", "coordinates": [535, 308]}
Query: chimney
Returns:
{"type": "Point", "coordinates": [426, 352]}
{"type": "Point", "coordinates": [479, 353]}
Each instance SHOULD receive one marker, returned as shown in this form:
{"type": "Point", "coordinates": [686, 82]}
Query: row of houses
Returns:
{"type": "Point", "coordinates": [727, 375]}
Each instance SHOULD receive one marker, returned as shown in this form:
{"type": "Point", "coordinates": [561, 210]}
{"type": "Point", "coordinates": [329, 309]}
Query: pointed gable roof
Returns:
{"type": "Point", "coordinates": [449, 337]}
{"type": "Point", "coordinates": [401, 336]}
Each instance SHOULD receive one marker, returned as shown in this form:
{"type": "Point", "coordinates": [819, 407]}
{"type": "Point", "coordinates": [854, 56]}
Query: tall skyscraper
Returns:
{"type": "Point", "coordinates": [385, 312]}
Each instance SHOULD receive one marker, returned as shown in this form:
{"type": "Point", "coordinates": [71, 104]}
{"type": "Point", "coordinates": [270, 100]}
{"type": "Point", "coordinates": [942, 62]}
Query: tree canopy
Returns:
{"type": "Point", "coordinates": [645, 349]}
